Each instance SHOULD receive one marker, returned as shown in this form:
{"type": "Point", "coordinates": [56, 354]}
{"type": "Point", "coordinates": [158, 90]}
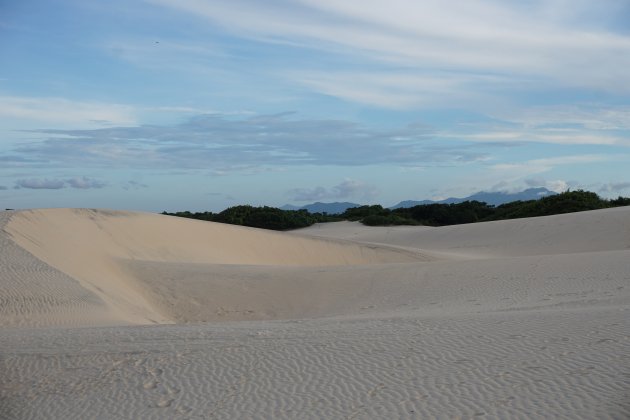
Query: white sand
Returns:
{"type": "Point", "coordinates": [515, 319]}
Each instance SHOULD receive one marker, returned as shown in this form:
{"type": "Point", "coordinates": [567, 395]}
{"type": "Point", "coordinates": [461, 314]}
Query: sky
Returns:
{"type": "Point", "coordinates": [205, 104]}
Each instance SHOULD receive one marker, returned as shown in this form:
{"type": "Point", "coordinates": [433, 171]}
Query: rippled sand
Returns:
{"type": "Point", "coordinates": [132, 315]}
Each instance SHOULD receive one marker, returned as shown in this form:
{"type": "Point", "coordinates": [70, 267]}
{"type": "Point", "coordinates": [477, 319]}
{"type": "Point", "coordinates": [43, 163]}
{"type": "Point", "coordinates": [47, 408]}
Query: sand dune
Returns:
{"type": "Point", "coordinates": [94, 247]}
{"type": "Point", "coordinates": [515, 319]}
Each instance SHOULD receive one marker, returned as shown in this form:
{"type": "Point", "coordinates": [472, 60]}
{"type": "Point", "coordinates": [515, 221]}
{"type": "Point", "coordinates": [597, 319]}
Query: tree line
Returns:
{"type": "Point", "coordinates": [426, 214]}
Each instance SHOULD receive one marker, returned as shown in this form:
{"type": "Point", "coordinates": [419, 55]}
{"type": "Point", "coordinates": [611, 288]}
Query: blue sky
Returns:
{"type": "Point", "coordinates": [192, 104]}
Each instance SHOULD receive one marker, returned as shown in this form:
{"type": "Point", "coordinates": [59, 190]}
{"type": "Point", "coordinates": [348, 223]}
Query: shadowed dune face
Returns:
{"type": "Point", "coordinates": [96, 247]}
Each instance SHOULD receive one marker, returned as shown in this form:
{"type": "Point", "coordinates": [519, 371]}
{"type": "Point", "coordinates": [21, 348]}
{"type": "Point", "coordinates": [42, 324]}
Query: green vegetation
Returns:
{"type": "Point", "coordinates": [428, 214]}
{"type": "Point", "coordinates": [260, 217]}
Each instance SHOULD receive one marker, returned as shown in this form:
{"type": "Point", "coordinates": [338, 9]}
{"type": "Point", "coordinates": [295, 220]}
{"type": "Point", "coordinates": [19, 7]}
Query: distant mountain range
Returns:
{"type": "Point", "coordinates": [330, 208]}
{"type": "Point", "coordinates": [493, 198]}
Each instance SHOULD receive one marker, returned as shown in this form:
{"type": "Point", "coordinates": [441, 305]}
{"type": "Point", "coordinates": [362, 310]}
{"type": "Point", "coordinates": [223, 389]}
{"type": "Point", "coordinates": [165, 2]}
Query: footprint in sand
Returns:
{"type": "Point", "coordinates": [150, 384]}
{"type": "Point", "coordinates": [154, 371]}
{"type": "Point", "coordinates": [164, 402]}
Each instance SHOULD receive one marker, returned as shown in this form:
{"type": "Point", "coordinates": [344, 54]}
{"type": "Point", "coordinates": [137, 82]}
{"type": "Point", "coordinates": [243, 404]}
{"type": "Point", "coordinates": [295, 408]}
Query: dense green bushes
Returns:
{"type": "Point", "coordinates": [447, 214]}
{"type": "Point", "coordinates": [567, 202]}
{"type": "Point", "coordinates": [260, 217]}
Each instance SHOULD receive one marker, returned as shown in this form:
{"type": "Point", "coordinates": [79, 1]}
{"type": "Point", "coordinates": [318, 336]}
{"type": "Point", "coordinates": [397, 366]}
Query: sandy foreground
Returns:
{"type": "Point", "coordinates": [122, 315]}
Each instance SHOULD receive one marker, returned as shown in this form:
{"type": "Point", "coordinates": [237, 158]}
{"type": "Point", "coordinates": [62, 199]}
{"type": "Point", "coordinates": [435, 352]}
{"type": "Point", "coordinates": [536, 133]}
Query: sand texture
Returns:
{"type": "Point", "coordinates": [121, 315]}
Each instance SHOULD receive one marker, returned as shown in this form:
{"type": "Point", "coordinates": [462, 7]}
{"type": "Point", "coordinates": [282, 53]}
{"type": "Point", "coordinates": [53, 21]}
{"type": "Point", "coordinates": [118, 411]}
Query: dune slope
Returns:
{"type": "Point", "coordinates": [34, 293]}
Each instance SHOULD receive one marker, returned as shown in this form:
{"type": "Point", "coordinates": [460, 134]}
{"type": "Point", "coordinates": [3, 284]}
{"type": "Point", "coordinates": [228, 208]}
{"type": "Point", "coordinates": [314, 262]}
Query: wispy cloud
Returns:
{"type": "Point", "coordinates": [346, 189]}
{"type": "Point", "coordinates": [134, 185]}
{"type": "Point", "coordinates": [557, 185]}
{"type": "Point", "coordinates": [543, 43]}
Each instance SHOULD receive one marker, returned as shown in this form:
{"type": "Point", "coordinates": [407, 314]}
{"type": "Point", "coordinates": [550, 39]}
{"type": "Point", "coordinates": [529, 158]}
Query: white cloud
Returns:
{"type": "Point", "coordinates": [557, 185]}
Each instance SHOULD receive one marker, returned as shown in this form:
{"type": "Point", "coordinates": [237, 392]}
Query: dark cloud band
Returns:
{"type": "Point", "coordinates": [213, 142]}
